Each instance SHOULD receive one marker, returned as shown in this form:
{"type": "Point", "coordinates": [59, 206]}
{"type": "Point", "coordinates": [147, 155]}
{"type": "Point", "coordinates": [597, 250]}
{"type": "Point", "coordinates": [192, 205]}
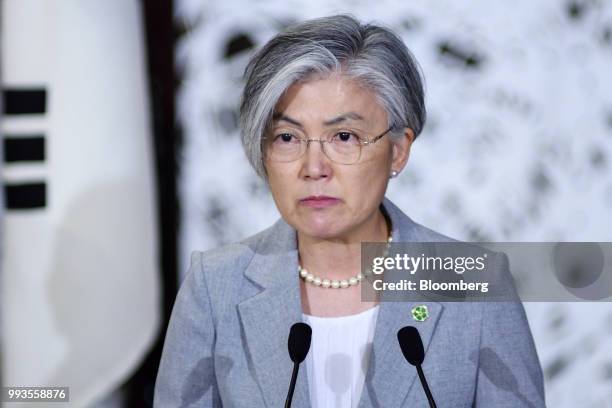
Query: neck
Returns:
{"type": "Point", "coordinates": [340, 257]}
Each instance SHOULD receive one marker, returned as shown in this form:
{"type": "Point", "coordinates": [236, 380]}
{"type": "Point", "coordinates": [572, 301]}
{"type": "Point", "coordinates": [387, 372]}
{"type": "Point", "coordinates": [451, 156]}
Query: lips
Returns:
{"type": "Point", "coordinates": [319, 201]}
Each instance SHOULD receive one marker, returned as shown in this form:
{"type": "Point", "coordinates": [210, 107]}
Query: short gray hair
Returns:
{"type": "Point", "coordinates": [371, 54]}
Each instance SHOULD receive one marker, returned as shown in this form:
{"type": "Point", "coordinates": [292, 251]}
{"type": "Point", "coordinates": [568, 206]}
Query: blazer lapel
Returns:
{"type": "Point", "coordinates": [268, 316]}
{"type": "Point", "coordinates": [390, 378]}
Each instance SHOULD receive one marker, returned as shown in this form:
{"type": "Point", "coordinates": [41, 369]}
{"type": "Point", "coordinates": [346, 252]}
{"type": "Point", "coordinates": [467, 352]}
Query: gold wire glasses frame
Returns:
{"type": "Point", "coordinates": [342, 151]}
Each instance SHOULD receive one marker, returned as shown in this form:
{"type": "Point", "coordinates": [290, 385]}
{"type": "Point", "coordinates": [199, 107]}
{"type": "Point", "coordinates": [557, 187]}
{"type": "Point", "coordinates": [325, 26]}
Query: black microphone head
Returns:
{"type": "Point", "coordinates": [411, 344]}
{"type": "Point", "coordinates": [299, 341]}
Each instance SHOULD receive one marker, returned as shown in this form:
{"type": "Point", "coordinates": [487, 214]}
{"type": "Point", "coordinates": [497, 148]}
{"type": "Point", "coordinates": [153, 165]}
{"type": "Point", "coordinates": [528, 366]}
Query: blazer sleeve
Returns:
{"type": "Point", "coordinates": [509, 372]}
{"type": "Point", "coordinates": [186, 376]}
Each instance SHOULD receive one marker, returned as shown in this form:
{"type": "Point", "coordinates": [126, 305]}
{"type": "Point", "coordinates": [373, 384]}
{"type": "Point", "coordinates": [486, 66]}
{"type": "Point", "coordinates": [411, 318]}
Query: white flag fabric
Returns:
{"type": "Point", "coordinates": [80, 280]}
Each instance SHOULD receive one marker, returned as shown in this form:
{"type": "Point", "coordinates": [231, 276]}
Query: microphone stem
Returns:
{"type": "Point", "coordinates": [432, 403]}
{"type": "Point", "coordinates": [296, 367]}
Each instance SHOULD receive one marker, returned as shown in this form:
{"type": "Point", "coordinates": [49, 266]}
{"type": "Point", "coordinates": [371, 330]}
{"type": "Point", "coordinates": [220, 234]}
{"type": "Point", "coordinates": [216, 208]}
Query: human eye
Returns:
{"type": "Point", "coordinates": [346, 137]}
{"type": "Point", "coordinates": [285, 138]}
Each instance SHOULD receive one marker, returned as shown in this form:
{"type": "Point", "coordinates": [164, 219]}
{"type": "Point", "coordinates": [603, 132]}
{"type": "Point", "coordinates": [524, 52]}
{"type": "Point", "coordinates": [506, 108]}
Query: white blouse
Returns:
{"type": "Point", "coordinates": [337, 362]}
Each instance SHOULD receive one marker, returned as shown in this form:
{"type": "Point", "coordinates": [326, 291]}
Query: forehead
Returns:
{"type": "Point", "coordinates": [321, 98]}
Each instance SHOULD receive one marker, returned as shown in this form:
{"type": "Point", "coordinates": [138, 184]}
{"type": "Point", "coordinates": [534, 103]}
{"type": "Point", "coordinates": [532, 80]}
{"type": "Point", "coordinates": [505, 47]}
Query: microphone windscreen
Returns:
{"type": "Point", "coordinates": [299, 341]}
{"type": "Point", "coordinates": [411, 344]}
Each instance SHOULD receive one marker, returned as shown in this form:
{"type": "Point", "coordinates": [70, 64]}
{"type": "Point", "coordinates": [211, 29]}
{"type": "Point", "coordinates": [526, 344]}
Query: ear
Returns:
{"type": "Point", "coordinates": [401, 150]}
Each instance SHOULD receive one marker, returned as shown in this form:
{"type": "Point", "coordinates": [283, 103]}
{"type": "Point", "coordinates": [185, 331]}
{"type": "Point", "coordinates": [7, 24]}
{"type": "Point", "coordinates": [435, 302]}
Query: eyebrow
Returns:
{"type": "Point", "coordinates": [278, 116]}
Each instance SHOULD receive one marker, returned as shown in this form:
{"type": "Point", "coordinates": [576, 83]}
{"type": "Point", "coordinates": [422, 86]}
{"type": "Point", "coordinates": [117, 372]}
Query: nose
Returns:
{"type": "Point", "coordinates": [315, 163]}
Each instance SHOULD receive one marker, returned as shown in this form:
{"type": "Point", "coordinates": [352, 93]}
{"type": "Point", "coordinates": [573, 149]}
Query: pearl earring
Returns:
{"type": "Point", "coordinates": [394, 173]}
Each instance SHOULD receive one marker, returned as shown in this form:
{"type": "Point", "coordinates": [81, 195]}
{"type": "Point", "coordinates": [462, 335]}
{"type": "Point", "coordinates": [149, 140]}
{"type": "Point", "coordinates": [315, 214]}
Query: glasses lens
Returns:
{"type": "Point", "coordinates": [344, 147]}
{"type": "Point", "coordinates": [285, 147]}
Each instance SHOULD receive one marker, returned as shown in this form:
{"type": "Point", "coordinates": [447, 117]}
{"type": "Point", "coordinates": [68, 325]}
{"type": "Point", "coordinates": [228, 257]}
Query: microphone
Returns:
{"type": "Point", "coordinates": [412, 348]}
{"type": "Point", "coordinates": [298, 344]}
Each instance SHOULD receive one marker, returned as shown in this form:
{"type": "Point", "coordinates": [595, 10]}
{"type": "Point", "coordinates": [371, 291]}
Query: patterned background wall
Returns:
{"type": "Point", "coordinates": [517, 146]}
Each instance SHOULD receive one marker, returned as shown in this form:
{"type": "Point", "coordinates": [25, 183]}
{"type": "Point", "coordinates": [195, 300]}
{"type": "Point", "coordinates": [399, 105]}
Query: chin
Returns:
{"type": "Point", "coordinates": [319, 234]}
{"type": "Point", "coordinates": [325, 230]}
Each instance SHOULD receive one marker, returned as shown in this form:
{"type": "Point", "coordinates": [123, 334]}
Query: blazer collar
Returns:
{"type": "Point", "coordinates": [268, 316]}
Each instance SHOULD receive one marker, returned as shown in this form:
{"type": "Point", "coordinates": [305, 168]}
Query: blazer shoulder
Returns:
{"type": "Point", "coordinates": [429, 235]}
{"type": "Point", "coordinates": [410, 230]}
{"type": "Point", "coordinates": [222, 268]}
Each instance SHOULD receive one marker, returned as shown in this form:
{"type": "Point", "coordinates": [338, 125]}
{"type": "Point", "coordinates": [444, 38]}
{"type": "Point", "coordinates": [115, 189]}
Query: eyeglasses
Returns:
{"type": "Point", "coordinates": [344, 147]}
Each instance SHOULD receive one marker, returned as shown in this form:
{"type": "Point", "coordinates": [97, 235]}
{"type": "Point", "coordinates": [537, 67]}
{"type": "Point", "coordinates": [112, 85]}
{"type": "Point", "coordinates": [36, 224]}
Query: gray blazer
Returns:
{"type": "Point", "coordinates": [226, 343]}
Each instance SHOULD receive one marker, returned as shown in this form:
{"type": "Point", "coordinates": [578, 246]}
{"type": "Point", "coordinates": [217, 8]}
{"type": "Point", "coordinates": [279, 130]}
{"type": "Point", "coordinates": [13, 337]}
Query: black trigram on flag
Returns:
{"type": "Point", "coordinates": [24, 148]}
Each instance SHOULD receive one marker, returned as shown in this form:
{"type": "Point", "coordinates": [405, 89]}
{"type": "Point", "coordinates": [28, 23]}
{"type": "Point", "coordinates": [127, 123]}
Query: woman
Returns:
{"type": "Point", "coordinates": [329, 112]}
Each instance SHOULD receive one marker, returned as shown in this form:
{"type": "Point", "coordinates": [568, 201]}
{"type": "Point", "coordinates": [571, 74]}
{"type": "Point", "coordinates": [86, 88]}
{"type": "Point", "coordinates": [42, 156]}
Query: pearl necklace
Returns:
{"type": "Point", "coordinates": [335, 283]}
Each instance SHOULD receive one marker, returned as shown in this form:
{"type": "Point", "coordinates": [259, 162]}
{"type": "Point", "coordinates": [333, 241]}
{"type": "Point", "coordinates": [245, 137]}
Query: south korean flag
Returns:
{"type": "Point", "coordinates": [79, 258]}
